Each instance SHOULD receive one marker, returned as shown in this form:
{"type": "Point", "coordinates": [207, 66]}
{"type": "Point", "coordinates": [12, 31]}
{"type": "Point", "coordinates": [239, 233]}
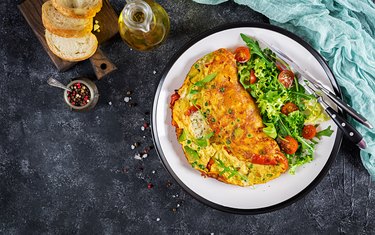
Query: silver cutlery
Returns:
{"type": "Point", "coordinates": [320, 87]}
{"type": "Point", "coordinates": [349, 131]}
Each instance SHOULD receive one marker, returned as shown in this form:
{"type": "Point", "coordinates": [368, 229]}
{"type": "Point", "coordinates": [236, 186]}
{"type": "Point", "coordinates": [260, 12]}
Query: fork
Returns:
{"type": "Point", "coordinates": [320, 86]}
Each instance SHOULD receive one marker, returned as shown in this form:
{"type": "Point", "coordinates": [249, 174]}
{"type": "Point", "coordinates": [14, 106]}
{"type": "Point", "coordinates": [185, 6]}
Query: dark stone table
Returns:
{"type": "Point", "coordinates": [67, 172]}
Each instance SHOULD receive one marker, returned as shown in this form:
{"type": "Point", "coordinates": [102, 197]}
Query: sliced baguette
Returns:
{"type": "Point", "coordinates": [78, 8]}
{"type": "Point", "coordinates": [72, 49]}
{"type": "Point", "coordinates": [62, 25]}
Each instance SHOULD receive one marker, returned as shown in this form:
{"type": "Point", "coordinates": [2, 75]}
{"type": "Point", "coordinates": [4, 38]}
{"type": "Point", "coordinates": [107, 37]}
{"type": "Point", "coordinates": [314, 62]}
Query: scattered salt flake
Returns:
{"type": "Point", "coordinates": [132, 146]}
{"type": "Point", "coordinates": [145, 155]}
{"type": "Point", "coordinates": [144, 137]}
{"type": "Point", "coordinates": [127, 99]}
{"type": "Point", "coordinates": [137, 156]}
{"type": "Point", "coordinates": [158, 219]}
{"type": "Point", "coordinates": [211, 233]}
{"type": "Point", "coordinates": [110, 103]}
{"type": "Point", "coordinates": [178, 205]}
{"type": "Point", "coordinates": [154, 72]}
{"type": "Point", "coordinates": [142, 128]}
{"type": "Point", "coordinates": [153, 172]}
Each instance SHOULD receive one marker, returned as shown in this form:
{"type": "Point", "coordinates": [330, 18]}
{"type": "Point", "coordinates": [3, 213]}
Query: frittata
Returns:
{"type": "Point", "coordinates": [219, 125]}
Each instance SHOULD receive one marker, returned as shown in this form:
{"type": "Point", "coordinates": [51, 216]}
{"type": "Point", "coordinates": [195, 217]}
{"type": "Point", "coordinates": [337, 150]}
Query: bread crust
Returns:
{"type": "Point", "coordinates": [68, 33]}
{"type": "Point", "coordinates": [67, 58]}
{"type": "Point", "coordinates": [88, 12]}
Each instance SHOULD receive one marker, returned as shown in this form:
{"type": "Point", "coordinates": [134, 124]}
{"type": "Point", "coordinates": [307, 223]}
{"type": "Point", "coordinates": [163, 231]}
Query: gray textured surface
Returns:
{"type": "Point", "coordinates": [66, 172]}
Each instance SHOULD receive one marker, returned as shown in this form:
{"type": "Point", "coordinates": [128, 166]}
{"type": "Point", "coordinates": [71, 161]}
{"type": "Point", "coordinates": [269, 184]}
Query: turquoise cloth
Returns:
{"type": "Point", "coordinates": [342, 31]}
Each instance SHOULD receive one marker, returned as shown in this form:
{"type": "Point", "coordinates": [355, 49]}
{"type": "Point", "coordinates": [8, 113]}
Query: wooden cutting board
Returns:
{"type": "Point", "coordinates": [107, 18]}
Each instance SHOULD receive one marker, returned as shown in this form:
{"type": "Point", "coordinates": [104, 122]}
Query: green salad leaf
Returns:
{"type": "Point", "coordinates": [270, 130]}
{"type": "Point", "coordinates": [326, 132]}
{"type": "Point", "coordinates": [271, 95]}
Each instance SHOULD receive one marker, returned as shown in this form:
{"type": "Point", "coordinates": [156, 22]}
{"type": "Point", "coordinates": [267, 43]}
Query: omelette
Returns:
{"type": "Point", "coordinates": [219, 125]}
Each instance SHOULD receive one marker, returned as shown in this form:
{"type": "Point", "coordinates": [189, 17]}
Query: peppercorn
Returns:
{"type": "Point", "coordinates": [79, 95]}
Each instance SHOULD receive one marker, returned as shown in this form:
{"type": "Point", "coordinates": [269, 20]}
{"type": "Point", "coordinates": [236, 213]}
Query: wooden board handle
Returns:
{"type": "Point", "coordinates": [101, 64]}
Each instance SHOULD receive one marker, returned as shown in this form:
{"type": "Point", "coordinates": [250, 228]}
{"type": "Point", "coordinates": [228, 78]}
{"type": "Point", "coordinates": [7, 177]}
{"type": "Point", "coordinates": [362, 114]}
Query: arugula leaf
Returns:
{"type": "Point", "coordinates": [326, 132]}
{"type": "Point", "coordinates": [230, 170]}
{"type": "Point", "coordinates": [205, 80]}
{"type": "Point", "coordinates": [254, 47]}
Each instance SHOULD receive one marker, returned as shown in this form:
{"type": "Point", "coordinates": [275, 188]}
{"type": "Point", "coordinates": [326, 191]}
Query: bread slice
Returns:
{"type": "Point", "coordinates": [72, 49]}
{"type": "Point", "coordinates": [78, 8]}
{"type": "Point", "coordinates": [62, 25]}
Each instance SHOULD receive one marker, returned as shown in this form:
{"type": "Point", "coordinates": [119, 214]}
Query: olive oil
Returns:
{"type": "Point", "coordinates": [143, 24]}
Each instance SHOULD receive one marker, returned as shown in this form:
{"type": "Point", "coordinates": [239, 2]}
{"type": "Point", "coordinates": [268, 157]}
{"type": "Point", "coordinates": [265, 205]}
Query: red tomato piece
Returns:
{"type": "Point", "coordinates": [289, 145]}
{"type": "Point", "coordinates": [286, 77]}
{"type": "Point", "coordinates": [263, 160]}
{"type": "Point", "coordinates": [191, 110]}
{"type": "Point", "coordinates": [174, 98]}
{"type": "Point", "coordinates": [309, 132]}
{"type": "Point", "coordinates": [253, 78]}
{"type": "Point", "coordinates": [242, 54]}
{"type": "Point", "coordinates": [210, 163]}
{"type": "Point", "coordinates": [288, 108]}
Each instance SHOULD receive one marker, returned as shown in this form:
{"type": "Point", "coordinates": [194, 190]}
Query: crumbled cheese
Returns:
{"type": "Point", "coordinates": [110, 103]}
{"type": "Point", "coordinates": [145, 155]}
{"type": "Point", "coordinates": [138, 156]}
{"type": "Point", "coordinates": [96, 27]}
{"type": "Point", "coordinates": [198, 125]}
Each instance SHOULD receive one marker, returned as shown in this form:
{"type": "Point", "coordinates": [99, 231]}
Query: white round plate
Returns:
{"type": "Point", "coordinates": [246, 200]}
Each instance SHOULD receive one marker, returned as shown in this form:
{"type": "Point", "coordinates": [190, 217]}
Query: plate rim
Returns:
{"type": "Point", "coordinates": [155, 138]}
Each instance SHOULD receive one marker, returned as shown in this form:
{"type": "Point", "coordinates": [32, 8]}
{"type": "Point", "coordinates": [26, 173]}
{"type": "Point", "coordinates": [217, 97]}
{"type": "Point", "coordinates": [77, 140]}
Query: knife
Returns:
{"type": "Point", "coordinates": [320, 87]}
{"type": "Point", "coordinates": [349, 131]}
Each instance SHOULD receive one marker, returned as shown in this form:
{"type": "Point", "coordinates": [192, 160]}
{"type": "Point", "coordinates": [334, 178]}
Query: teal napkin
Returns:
{"type": "Point", "coordinates": [342, 31]}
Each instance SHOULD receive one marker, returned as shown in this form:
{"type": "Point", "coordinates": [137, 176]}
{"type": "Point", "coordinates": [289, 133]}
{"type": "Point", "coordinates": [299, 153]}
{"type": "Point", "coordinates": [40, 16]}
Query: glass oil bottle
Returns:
{"type": "Point", "coordinates": [143, 24]}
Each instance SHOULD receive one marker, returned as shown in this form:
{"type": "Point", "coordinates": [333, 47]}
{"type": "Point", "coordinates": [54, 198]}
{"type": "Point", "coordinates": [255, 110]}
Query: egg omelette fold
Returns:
{"type": "Point", "coordinates": [219, 125]}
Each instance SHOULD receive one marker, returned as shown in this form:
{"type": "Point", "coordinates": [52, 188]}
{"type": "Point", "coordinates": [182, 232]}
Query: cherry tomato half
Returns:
{"type": "Point", "coordinates": [309, 132]}
{"type": "Point", "coordinates": [286, 78]}
{"type": "Point", "coordinates": [289, 145]}
{"type": "Point", "coordinates": [253, 78]}
{"type": "Point", "coordinates": [242, 54]}
{"type": "Point", "coordinates": [288, 108]}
